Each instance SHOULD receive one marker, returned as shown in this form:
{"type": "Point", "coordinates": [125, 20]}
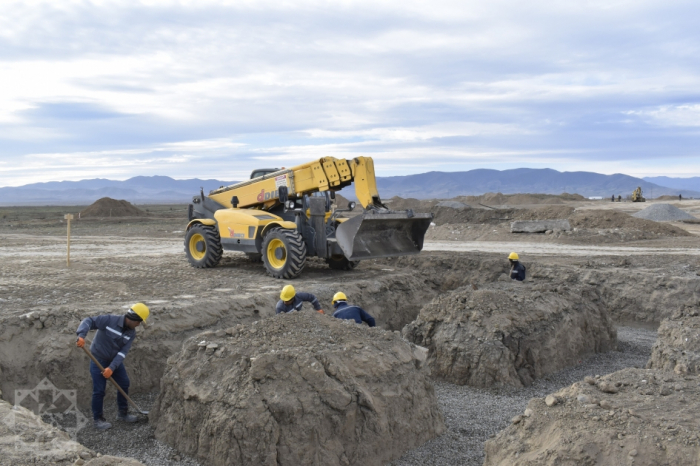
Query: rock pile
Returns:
{"type": "Point", "coordinates": [631, 417]}
{"type": "Point", "coordinates": [663, 213]}
{"type": "Point", "coordinates": [299, 388]}
{"type": "Point", "coordinates": [509, 334]}
{"type": "Point", "coordinates": [108, 207]}
{"type": "Point", "coordinates": [27, 440]}
{"type": "Point", "coordinates": [678, 346]}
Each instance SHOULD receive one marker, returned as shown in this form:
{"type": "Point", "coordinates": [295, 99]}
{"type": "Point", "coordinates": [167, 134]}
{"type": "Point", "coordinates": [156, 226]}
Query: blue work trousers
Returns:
{"type": "Point", "coordinates": [98, 388]}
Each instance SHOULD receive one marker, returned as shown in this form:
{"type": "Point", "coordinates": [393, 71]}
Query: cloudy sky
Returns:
{"type": "Point", "coordinates": [204, 89]}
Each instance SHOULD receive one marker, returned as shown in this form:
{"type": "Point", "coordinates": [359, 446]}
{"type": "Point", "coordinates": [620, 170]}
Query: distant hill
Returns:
{"type": "Point", "coordinates": [138, 190]}
{"type": "Point", "coordinates": [446, 185]}
{"type": "Point", "coordinates": [692, 184]}
{"type": "Point", "coordinates": [432, 185]}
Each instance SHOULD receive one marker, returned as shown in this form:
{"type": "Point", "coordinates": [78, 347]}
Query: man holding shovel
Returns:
{"type": "Point", "coordinates": [114, 337]}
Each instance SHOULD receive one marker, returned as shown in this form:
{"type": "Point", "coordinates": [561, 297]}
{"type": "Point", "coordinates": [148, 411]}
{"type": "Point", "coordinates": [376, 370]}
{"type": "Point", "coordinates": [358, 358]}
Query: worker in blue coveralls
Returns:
{"type": "Point", "coordinates": [517, 270]}
{"type": "Point", "coordinates": [345, 311]}
{"type": "Point", "coordinates": [114, 337]}
{"type": "Point", "coordinates": [290, 300]}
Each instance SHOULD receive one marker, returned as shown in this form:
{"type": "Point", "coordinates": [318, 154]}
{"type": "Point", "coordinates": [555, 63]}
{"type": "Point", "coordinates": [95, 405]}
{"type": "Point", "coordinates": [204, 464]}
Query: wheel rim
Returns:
{"type": "Point", "coordinates": [275, 247]}
{"type": "Point", "coordinates": [194, 241]}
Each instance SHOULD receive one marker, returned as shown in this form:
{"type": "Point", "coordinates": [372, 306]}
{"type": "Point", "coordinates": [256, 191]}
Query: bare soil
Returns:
{"type": "Point", "coordinates": [642, 276]}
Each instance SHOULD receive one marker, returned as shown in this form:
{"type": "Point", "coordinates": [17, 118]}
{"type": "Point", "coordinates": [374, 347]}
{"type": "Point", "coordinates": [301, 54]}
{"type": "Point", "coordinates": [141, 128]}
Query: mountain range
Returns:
{"type": "Point", "coordinates": [431, 185]}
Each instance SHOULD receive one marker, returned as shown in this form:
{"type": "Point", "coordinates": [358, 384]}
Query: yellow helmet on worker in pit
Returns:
{"type": "Point", "coordinates": [339, 296]}
{"type": "Point", "coordinates": [139, 312]}
{"type": "Point", "coordinates": [288, 293]}
{"type": "Point", "coordinates": [514, 256]}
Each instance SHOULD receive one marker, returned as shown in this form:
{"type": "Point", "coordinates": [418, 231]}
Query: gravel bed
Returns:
{"type": "Point", "coordinates": [132, 440]}
{"type": "Point", "coordinates": [472, 415]}
{"type": "Point", "coordinates": [663, 213]}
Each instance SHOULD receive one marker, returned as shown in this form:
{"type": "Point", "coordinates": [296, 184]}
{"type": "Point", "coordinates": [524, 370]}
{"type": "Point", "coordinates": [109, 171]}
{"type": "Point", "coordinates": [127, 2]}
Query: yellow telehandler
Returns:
{"type": "Point", "coordinates": [637, 195]}
{"type": "Point", "coordinates": [283, 216]}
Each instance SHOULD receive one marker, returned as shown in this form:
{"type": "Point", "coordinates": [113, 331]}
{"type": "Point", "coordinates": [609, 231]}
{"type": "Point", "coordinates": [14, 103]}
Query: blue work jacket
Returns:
{"type": "Point", "coordinates": [297, 302]}
{"type": "Point", "coordinates": [356, 313]}
{"type": "Point", "coordinates": [112, 340]}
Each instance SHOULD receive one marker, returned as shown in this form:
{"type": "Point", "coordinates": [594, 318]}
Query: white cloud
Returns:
{"type": "Point", "coordinates": [416, 85]}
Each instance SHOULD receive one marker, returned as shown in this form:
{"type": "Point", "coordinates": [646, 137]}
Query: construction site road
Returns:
{"type": "Point", "coordinates": [33, 246]}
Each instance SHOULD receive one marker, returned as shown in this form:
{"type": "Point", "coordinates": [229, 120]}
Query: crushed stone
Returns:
{"type": "Point", "coordinates": [473, 415]}
{"type": "Point", "coordinates": [663, 213]}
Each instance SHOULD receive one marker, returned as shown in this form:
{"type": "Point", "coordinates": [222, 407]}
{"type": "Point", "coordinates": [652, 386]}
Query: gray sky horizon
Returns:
{"type": "Point", "coordinates": [201, 89]}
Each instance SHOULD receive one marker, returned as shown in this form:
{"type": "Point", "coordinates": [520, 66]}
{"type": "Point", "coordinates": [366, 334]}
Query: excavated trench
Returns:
{"type": "Point", "coordinates": [40, 343]}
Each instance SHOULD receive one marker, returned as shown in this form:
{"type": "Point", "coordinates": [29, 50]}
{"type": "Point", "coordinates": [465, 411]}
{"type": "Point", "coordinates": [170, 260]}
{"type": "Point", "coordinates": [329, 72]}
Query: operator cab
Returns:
{"type": "Point", "coordinates": [262, 172]}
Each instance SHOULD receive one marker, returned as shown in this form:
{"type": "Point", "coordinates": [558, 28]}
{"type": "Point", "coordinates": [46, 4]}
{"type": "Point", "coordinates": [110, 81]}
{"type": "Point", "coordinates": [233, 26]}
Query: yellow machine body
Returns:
{"type": "Point", "coordinates": [239, 217]}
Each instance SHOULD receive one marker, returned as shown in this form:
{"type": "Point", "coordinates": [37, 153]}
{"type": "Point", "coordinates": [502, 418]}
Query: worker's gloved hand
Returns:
{"type": "Point", "coordinates": [107, 373]}
{"type": "Point", "coordinates": [320, 311]}
{"type": "Point", "coordinates": [81, 342]}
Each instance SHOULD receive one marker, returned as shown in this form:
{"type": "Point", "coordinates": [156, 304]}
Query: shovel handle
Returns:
{"type": "Point", "coordinates": [97, 363]}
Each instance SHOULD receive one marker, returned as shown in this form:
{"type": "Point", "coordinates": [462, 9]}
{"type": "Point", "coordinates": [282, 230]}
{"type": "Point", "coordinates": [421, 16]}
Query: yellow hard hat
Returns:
{"type": "Point", "coordinates": [287, 293]}
{"type": "Point", "coordinates": [141, 310]}
{"type": "Point", "coordinates": [339, 296]}
{"type": "Point", "coordinates": [514, 256]}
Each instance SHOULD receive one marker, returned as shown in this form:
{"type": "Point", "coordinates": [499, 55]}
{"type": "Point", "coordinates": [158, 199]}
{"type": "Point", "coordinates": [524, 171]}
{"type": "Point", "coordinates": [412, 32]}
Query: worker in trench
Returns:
{"type": "Point", "coordinates": [517, 270]}
{"type": "Point", "coordinates": [112, 342]}
{"type": "Point", "coordinates": [343, 310]}
{"type": "Point", "coordinates": [290, 300]}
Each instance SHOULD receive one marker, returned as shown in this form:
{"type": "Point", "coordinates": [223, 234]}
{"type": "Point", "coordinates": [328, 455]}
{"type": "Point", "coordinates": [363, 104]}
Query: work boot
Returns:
{"type": "Point", "coordinates": [102, 424]}
{"type": "Point", "coordinates": [126, 417]}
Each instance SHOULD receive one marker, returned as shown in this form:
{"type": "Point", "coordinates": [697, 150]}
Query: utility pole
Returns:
{"type": "Point", "coordinates": [68, 218]}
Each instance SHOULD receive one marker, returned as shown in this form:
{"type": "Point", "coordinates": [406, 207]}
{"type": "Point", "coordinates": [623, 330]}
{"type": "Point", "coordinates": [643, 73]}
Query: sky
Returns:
{"type": "Point", "coordinates": [116, 89]}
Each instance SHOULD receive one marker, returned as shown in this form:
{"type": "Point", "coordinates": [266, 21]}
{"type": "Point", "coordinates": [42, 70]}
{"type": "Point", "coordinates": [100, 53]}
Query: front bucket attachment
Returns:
{"type": "Point", "coordinates": [374, 235]}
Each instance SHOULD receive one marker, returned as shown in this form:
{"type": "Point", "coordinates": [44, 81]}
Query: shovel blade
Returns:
{"type": "Point", "coordinates": [375, 235]}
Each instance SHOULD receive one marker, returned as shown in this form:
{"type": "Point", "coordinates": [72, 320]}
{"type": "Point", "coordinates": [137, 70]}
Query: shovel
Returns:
{"type": "Point", "coordinates": [97, 363]}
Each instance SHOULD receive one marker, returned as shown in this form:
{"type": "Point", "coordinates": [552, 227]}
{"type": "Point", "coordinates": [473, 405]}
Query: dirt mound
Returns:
{"type": "Point", "coordinates": [108, 207]}
{"type": "Point", "coordinates": [453, 205]}
{"type": "Point", "coordinates": [398, 203]}
{"type": "Point", "coordinates": [678, 347]}
{"type": "Point", "coordinates": [493, 199]}
{"type": "Point", "coordinates": [663, 213]}
{"type": "Point", "coordinates": [299, 388]}
{"type": "Point", "coordinates": [25, 439]}
{"type": "Point", "coordinates": [509, 334]}
{"type": "Point", "coordinates": [631, 417]}
{"type": "Point", "coordinates": [596, 219]}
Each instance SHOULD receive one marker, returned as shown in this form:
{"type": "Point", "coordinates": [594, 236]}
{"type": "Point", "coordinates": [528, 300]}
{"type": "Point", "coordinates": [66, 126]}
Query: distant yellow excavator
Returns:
{"type": "Point", "coordinates": [283, 216]}
{"type": "Point", "coordinates": [637, 195]}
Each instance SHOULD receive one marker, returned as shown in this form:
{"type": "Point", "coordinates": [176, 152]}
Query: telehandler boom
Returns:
{"type": "Point", "coordinates": [283, 216]}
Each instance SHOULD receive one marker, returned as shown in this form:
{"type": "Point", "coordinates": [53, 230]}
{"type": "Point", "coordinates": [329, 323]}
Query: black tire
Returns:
{"type": "Point", "coordinates": [341, 263]}
{"type": "Point", "coordinates": [203, 246]}
{"type": "Point", "coordinates": [254, 257]}
{"type": "Point", "coordinates": [284, 253]}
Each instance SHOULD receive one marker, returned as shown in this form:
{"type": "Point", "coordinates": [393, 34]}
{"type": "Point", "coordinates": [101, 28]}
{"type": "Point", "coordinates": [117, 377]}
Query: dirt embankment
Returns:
{"type": "Point", "coordinates": [299, 388]}
{"type": "Point", "coordinates": [41, 343]}
{"type": "Point", "coordinates": [678, 346]}
{"type": "Point", "coordinates": [511, 333]}
{"type": "Point", "coordinates": [631, 417]}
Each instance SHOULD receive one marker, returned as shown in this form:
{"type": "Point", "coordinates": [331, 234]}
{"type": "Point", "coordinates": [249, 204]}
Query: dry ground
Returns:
{"type": "Point", "coordinates": [116, 261]}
